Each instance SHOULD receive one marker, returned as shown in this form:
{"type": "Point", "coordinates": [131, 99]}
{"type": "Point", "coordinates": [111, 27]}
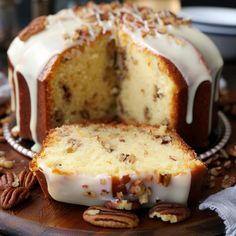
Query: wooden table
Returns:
{"type": "Point", "coordinates": [48, 217]}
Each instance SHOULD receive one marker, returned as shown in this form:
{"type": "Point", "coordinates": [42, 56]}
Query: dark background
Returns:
{"type": "Point", "coordinates": [24, 6]}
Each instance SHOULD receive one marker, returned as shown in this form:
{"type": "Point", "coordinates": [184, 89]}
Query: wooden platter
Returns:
{"type": "Point", "coordinates": [48, 217]}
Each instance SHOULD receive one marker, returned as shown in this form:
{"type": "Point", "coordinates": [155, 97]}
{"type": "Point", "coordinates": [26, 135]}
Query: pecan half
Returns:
{"type": "Point", "coordinates": [122, 205]}
{"type": "Point", "coordinates": [36, 26]}
{"type": "Point", "coordinates": [172, 212]}
{"type": "Point", "coordinates": [6, 180]}
{"type": "Point", "coordinates": [104, 217]}
{"type": "Point", "coordinates": [13, 196]}
{"type": "Point", "coordinates": [27, 179]}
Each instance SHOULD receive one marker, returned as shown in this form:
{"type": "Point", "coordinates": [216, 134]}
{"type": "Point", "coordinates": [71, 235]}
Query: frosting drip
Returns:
{"type": "Point", "coordinates": [96, 190]}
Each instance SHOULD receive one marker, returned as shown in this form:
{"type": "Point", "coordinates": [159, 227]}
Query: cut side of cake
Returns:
{"type": "Point", "coordinates": [79, 84]}
{"type": "Point", "coordinates": [90, 164]}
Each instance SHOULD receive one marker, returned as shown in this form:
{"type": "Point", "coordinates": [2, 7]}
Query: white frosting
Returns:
{"type": "Point", "coordinates": [213, 59]}
{"type": "Point", "coordinates": [186, 56]}
{"type": "Point", "coordinates": [74, 188]}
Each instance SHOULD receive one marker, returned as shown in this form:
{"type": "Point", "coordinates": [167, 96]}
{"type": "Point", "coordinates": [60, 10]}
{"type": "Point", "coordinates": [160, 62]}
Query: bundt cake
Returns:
{"type": "Point", "coordinates": [122, 165]}
{"type": "Point", "coordinates": [100, 62]}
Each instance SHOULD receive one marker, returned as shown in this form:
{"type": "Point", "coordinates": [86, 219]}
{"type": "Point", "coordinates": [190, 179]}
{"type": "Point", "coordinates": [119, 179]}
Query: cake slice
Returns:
{"type": "Point", "coordinates": [91, 164]}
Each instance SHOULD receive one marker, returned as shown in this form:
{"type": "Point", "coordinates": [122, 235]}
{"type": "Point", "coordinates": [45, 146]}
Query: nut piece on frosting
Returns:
{"type": "Point", "coordinates": [171, 212]}
{"type": "Point", "coordinates": [36, 26]}
{"type": "Point", "coordinates": [122, 205]}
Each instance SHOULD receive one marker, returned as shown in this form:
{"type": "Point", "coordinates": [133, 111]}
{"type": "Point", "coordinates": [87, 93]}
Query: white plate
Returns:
{"type": "Point", "coordinates": [211, 15]}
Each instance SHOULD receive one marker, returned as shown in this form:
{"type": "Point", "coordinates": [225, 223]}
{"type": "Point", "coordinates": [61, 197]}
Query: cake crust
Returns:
{"type": "Point", "coordinates": [115, 186]}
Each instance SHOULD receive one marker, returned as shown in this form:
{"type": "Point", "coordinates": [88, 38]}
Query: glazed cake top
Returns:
{"type": "Point", "coordinates": [159, 31]}
{"type": "Point", "coordinates": [163, 33]}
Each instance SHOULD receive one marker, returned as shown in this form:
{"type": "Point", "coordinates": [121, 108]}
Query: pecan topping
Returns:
{"type": "Point", "coordinates": [156, 93]}
{"type": "Point", "coordinates": [231, 150]}
{"type": "Point", "coordinates": [138, 189]}
{"type": "Point", "coordinates": [147, 114]}
{"type": "Point", "coordinates": [228, 181]}
{"type": "Point", "coordinates": [165, 139]}
{"type": "Point", "coordinates": [216, 171]}
{"type": "Point", "coordinates": [36, 26]}
{"type": "Point", "coordinates": [163, 179]}
{"type": "Point", "coordinates": [13, 196]}
{"type": "Point", "coordinates": [172, 212]}
{"type": "Point", "coordinates": [127, 158]}
{"type": "Point", "coordinates": [73, 145]}
{"type": "Point", "coordinates": [5, 163]}
{"type": "Point", "coordinates": [227, 164]}
{"type": "Point", "coordinates": [122, 205]}
{"type": "Point", "coordinates": [6, 180]}
{"type": "Point", "coordinates": [105, 144]}
{"type": "Point", "coordinates": [27, 179]}
{"type": "Point", "coordinates": [104, 217]}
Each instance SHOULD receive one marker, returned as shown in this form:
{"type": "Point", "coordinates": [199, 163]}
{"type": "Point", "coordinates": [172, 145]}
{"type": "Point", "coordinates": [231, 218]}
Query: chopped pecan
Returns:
{"type": "Point", "coordinates": [13, 196]}
{"type": "Point", "coordinates": [6, 180]}
{"type": "Point", "coordinates": [165, 139]}
{"type": "Point", "coordinates": [227, 164]}
{"type": "Point", "coordinates": [2, 154]}
{"type": "Point", "coordinates": [172, 212]}
{"type": "Point", "coordinates": [216, 171]}
{"type": "Point", "coordinates": [105, 144]}
{"type": "Point", "coordinates": [138, 189]}
{"type": "Point", "coordinates": [123, 205]}
{"type": "Point", "coordinates": [127, 158]}
{"type": "Point", "coordinates": [228, 181]}
{"type": "Point", "coordinates": [5, 163]}
{"type": "Point", "coordinates": [90, 194]}
{"type": "Point", "coordinates": [223, 153]}
{"type": "Point", "coordinates": [104, 217]}
{"type": "Point", "coordinates": [147, 114]}
{"type": "Point", "coordinates": [163, 179]}
{"type": "Point", "coordinates": [156, 93]}
{"type": "Point", "coordinates": [36, 26]}
{"type": "Point", "coordinates": [231, 150]}
{"type": "Point", "coordinates": [73, 145]}
{"type": "Point", "coordinates": [27, 179]}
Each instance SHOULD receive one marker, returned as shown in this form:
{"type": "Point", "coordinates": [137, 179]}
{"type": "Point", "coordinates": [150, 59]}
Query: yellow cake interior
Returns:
{"type": "Point", "coordinates": [116, 150]}
{"type": "Point", "coordinates": [152, 96]}
{"type": "Point", "coordinates": [83, 85]}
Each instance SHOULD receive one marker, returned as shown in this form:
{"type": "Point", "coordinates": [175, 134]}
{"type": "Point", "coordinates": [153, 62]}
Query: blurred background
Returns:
{"type": "Point", "coordinates": [15, 14]}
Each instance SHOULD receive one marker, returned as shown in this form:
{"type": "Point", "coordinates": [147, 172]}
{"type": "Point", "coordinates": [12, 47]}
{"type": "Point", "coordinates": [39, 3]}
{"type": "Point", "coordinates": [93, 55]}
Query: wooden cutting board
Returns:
{"type": "Point", "coordinates": [48, 217]}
